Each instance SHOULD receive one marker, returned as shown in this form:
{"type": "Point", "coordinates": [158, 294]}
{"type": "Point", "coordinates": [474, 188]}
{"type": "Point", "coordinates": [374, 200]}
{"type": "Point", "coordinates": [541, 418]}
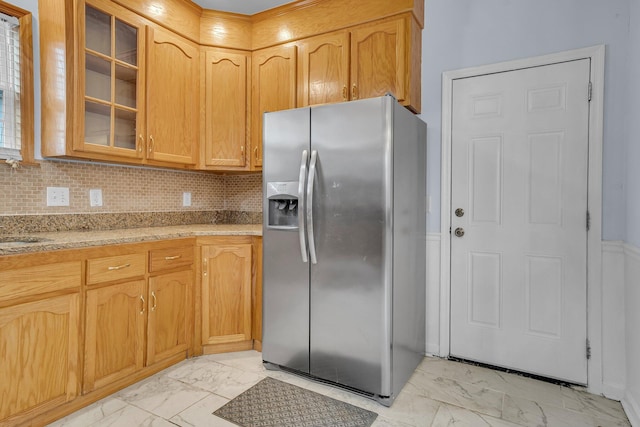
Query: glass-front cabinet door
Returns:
{"type": "Point", "coordinates": [112, 60]}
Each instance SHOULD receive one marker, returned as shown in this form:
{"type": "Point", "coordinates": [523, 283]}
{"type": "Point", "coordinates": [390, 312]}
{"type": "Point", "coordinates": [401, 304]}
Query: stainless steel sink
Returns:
{"type": "Point", "coordinates": [22, 239]}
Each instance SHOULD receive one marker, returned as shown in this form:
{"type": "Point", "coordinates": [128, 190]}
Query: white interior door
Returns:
{"type": "Point", "coordinates": [519, 195]}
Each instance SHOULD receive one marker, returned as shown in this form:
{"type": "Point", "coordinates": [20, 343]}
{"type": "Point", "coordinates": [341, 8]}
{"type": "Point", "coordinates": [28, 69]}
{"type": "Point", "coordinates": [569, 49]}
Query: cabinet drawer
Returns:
{"type": "Point", "coordinates": [40, 279]}
{"type": "Point", "coordinates": [118, 267]}
{"type": "Point", "coordinates": [166, 259]}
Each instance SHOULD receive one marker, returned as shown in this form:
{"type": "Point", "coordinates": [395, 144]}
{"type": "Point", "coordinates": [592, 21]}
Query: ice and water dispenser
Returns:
{"type": "Point", "coordinates": [283, 204]}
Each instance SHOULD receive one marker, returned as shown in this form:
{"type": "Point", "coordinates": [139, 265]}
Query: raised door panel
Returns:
{"type": "Point", "coordinates": [274, 89]}
{"type": "Point", "coordinates": [114, 342]}
{"type": "Point", "coordinates": [40, 357]}
{"type": "Point", "coordinates": [172, 101]}
{"type": "Point", "coordinates": [378, 60]}
{"type": "Point", "coordinates": [226, 293]}
{"type": "Point", "coordinates": [169, 315]}
{"type": "Point", "coordinates": [225, 108]}
{"type": "Point", "coordinates": [324, 69]}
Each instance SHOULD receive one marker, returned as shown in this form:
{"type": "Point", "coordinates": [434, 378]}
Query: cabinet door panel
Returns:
{"type": "Point", "coordinates": [225, 108]}
{"type": "Point", "coordinates": [378, 60]}
{"type": "Point", "coordinates": [114, 342]}
{"type": "Point", "coordinates": [324, 65]}
{"type": "Point", "coordinates": [39, 348]}
{"type": "Point", "coordinates": [226, 293]}
{"type": "Point", "coordinates": [111, 112]}
{"type": "Point", "coordinates": [172, 101]}
{"type": "Point", "coordinates": [169, 302]}
{"type": "Point", "coordinates": [274, 89]}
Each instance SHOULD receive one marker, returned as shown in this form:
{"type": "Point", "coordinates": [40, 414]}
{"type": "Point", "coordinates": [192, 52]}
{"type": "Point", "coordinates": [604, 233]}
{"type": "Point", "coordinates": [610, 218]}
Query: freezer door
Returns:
{"type": "Point", "coordinates": [285, 270]}
{"type": "Point", "coordinates": [351, 282]}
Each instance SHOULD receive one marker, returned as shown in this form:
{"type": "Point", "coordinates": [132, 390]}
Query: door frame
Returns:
{"type": "Point", "coordinates": [594, 195]}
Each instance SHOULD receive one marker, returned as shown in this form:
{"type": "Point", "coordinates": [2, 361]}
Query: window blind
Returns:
{"type": "Point", "coordinates": [10, 119]}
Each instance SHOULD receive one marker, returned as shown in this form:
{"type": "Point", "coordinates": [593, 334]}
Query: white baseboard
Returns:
{"type": "Point", "coordinates": [433, 294]}
{"type": "Point", "coordinates": [632, 409]}
{"type": "Point", "coordinates": [631, 402]}
{"type": "Point", "coordinates": [613, 391]}
{"type": "Point", "coordinates": [613, 320]}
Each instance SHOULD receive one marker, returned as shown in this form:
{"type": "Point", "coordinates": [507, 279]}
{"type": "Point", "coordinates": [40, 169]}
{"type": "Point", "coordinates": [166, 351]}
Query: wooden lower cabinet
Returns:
{"type": "Point", "coordinates": [40, 358]}
{"type": "Point", "coordinates": [226, 293]}
{"type": "Point", "coordinates": [169, 315]}
{"type": "Point", "coordinates": [114, 341]}
{"type": "Point", "coordinates": [67, 340]}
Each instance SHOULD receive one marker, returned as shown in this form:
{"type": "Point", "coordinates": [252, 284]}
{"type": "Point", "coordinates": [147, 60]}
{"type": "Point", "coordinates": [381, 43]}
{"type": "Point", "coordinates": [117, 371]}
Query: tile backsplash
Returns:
{"type": "Point", "coordinates": [23, 191]}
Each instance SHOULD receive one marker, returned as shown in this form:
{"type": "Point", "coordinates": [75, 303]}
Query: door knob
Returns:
{"type": "Point", "coordinates": [459, 212]}
{"type": "Point", "coordinates": [459, 232]}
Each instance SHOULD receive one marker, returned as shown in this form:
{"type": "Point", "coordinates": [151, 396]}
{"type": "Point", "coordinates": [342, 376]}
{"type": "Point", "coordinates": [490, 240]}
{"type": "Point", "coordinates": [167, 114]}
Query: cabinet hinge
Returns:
{"type": "Point", "coordinates": [588, 221]}
{"type": "Point", "coordinates": [590, 91]}
{"type": "Point", "coordinates": [588, 349]}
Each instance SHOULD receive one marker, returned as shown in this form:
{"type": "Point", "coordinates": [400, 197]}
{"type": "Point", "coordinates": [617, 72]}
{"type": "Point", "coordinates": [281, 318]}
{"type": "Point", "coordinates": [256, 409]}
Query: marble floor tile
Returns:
{"type": "Point", "coordinates": [529, 413]}
{"type": "Point", "coordinates": [216, 378]}
{"type": "Point", "coordinates": [250, 360]}
{"type": "Point", "coordinates": [593, 405]}
{"type": "Point", "coordinates": [162, 396]}
{"type": "Point", "coordinates": [457, 393]}
{"type": "Point", "coordinates": [131, 416]}
{"type": "Point", "coordinates": [201, 413]}
{"type": "Point", "coordinates": [440, 393]}
{"type": "Point", "coordinates": [386, 422]}
{"type": "Point", "coordinates": [91, 414]}
{"type": "Point", "coordinates": [512, 384]}
{"type": "Point", "coordinates": [448, 416]}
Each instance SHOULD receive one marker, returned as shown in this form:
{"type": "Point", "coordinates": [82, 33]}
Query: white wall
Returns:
{"type": "Point", "coordinates": [633, 120]}
{"type": "Point", "coordinates": [631, 400]}
{"type": "Point", "coordinates": [466, 33]}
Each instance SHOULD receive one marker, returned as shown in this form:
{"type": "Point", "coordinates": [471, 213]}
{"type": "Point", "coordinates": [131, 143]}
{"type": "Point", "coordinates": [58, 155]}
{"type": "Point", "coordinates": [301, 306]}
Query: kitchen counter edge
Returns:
{"type": "Point", "coordinates": [53, 241]}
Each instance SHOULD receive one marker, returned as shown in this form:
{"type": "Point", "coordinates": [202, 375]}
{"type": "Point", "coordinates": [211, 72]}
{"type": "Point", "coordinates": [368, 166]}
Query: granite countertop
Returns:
{"type": "Point", "coordinates": [50, 241]}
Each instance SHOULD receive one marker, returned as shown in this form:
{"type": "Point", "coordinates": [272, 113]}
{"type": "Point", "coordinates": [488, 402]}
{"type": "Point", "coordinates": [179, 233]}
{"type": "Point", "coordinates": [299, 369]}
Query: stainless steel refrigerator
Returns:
{"type": "Point", "coordinates": [344, 235]}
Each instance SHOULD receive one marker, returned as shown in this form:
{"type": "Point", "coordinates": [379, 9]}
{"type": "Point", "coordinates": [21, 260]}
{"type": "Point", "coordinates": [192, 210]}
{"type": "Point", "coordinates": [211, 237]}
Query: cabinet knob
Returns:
{"type": "Point", "coordinates": [140, 146]}
{"type": "Point", "coordinates": [345, 93]}
{"type": "Point", "coordinates": [151, 142]}
{"type": "Point", "coordinates": [354, 92]}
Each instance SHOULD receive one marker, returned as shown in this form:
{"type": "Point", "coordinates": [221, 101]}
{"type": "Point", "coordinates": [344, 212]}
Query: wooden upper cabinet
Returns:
{"type": "Point", "coordinates": [110, 81]}
{"type": "Point", "coordinates": [379, 60]}
{"type": "Point", "coordinates": [226, 98]}
{"type": "Point", "coordinates": [273, 89]}
{"type": "Point", "coordinates": [324, 69]}
{"type": "Point", "coordinates": [172, 97]}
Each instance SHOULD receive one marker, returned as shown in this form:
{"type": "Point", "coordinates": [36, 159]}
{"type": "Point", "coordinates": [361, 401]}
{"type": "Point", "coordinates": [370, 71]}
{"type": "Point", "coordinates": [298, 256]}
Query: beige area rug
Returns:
{"type": "Point", "coordinates": [275, 403]}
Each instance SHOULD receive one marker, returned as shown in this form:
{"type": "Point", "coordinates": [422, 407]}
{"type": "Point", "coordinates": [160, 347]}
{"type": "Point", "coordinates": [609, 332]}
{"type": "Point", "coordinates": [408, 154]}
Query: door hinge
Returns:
{"type": "Point", "coordinates": [588, 221]}
{"type": "Point", "coordinates": [588, 349]}
{"type": "Point", "coordinates": [590, 91]}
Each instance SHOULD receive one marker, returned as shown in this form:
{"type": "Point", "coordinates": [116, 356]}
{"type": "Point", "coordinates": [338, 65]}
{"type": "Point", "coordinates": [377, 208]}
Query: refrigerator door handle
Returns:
{"type": "Point", "coordinates": [310, 182]}
{"type": "Point", "coordinates": [301, 206]}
